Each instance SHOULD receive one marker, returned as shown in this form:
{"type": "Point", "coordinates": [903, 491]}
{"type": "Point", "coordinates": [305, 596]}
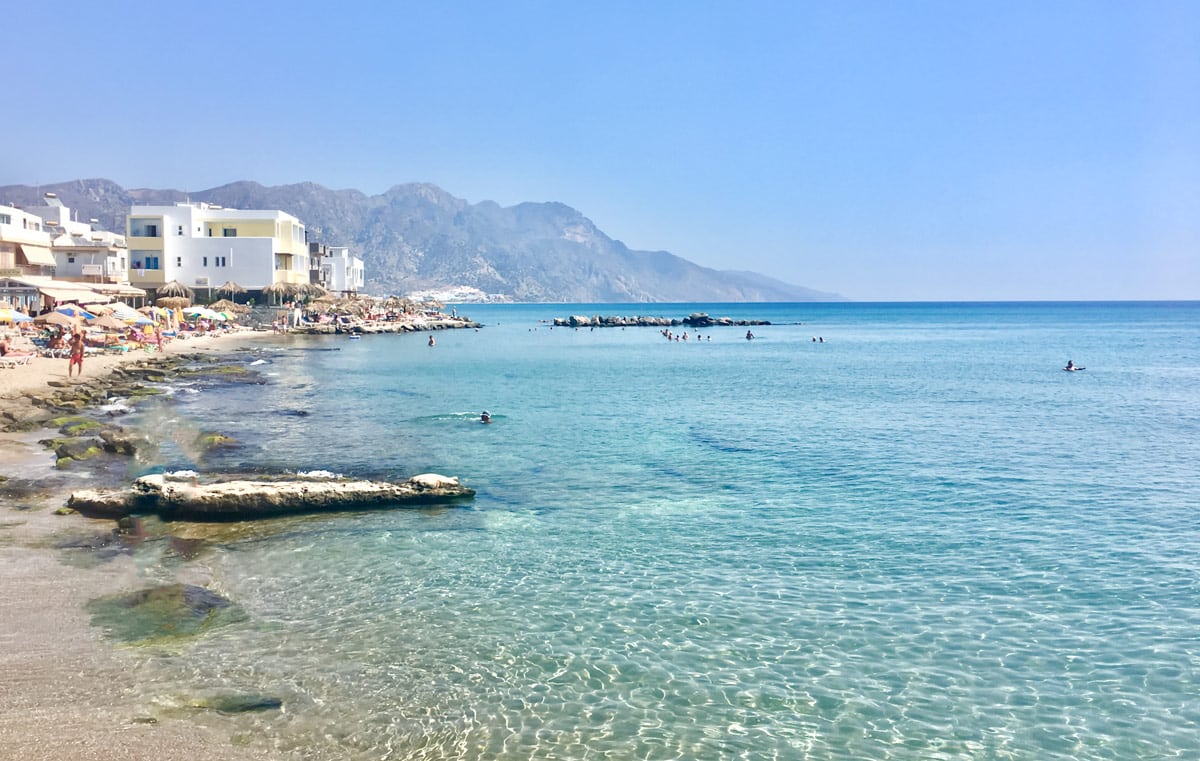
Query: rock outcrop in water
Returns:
{"type": "Point", "coordinates": [696, 319]}
{"type": "Point", "coordinates": [183, 498]}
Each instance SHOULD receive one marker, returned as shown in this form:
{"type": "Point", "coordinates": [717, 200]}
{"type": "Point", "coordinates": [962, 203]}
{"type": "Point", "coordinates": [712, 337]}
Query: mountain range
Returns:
{"type": "Point", "coordinates": [417, 237]}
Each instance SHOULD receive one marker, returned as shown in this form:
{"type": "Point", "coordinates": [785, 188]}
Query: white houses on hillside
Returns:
{"type": "Point", "coordinates": [205, 246]}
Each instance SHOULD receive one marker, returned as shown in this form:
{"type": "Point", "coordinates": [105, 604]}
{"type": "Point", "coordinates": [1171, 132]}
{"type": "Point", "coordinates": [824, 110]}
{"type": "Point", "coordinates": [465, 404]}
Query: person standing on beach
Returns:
{"type": "Point", "coordinates": [75, 350]}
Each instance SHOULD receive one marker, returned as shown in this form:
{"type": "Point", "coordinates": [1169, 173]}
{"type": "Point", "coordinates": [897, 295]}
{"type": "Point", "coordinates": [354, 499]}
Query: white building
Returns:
{"type": "Point", "coordinates": [82, 251]}
{"type": "Point", "coordinates": [24, 243]}
{"type": "Point", "coordinates": [47, 258]}
{"type": "Point", "coordinates": [205, 246]}
{"type": "Point", "coordinates": [341, 272]}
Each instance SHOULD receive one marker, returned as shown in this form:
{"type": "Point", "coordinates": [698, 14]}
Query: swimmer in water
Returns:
{"type": "Point", "coordinates": [485, 417]}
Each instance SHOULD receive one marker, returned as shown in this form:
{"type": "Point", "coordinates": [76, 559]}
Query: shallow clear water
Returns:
{"type": "Point", "coordinates": [919, 539]}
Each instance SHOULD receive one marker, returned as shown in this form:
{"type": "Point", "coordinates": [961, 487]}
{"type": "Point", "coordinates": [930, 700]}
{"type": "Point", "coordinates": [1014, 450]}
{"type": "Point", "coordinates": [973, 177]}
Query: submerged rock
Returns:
{"type": "Point", "coordinates": [238, 703]}
{"type": "Point", "coordinates": [175, 498]}
{"type": "Point", "coordinates": [173, 610]}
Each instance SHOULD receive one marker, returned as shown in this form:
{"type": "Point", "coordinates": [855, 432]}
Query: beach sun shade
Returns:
{"type": "Point", "coordinates": [107, 322]}
{"type": "Point", "coordinates": [174, 288]}
{"type": "Point", "coordinates": [57, 318]}
{"type": "Point", "coordinates": [74, 310]}
{"type": "Point", "coordinates": [12, 315]}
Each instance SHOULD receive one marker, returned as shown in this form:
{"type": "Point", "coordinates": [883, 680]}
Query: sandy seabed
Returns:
{"type": "Point", "coordinates": [65, 692]}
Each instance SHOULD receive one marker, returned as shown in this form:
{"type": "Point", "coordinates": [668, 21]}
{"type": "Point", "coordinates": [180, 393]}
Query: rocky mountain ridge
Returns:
{"type": "Point", "coordinates": [417, 237]}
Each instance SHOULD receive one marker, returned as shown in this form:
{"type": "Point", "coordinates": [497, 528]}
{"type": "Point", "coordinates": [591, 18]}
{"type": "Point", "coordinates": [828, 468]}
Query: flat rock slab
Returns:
{"type": "Point", "coordinates": [174, 498]}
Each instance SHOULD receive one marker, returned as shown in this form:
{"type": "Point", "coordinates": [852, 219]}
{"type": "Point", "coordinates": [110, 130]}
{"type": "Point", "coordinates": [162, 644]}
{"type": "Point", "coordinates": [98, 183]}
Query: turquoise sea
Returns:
{"type": "Point", "coordinates": [919, 539]}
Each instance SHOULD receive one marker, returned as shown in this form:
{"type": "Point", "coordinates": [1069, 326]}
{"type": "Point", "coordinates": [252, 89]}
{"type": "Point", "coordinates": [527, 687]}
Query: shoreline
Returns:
{"type": "Point", "coordinates": [65, 690]}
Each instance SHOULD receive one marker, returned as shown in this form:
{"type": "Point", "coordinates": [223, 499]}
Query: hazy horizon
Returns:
{"type": "Point", "coordinates": [925, 152]}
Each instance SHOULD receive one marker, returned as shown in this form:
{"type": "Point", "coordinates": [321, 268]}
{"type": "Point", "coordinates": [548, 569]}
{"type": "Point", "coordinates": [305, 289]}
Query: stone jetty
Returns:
{"type": "Point", "coordinates": [384, 326]}
{"type": "Point", "coordinates": [695, 320]}
{"type": "Point", "coordinates": [182, 497]}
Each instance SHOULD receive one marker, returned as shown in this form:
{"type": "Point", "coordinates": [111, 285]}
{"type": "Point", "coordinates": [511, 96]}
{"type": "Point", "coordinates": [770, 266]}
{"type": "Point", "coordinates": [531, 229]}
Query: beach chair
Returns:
{"type": "Point", "coordinates": [13, 361]}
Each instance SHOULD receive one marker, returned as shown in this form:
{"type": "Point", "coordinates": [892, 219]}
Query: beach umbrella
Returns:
{"type": "Point", "coordinates": [143, 320]}
{"type": "Point", "coordinates": [231, 288]}
{"type": "Point", "coordinates": [225, 305]}
{"type": "Point", "coordinates": [11, 315]}
{"type": "Point", "coordinates": [56, 318]}
{"type": "Point", "coordinates": [74, 310]}
{"type": "Point", "coordinates": [174, 302]}
{"type": "Point", "coordinates": [107, 322]}
{"type": "Point", "coordinates": [121, 310]}
{"type": "Point", "coordinates": [175, 288]}
{"type": "Point", "coordinates": [279, 289]}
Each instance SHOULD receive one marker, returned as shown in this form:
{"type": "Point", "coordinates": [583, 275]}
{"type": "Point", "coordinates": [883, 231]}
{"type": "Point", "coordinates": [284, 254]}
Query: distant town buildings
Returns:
{"type": "Point", "coordinates": [47, 257]}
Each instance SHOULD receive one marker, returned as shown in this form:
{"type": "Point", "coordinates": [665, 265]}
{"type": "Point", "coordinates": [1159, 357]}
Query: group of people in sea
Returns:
{"type": "Point", "coordinates": [670, 336]}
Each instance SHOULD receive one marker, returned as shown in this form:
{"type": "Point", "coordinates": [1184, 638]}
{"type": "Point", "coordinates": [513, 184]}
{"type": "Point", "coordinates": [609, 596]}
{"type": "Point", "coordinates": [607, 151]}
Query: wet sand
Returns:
{"type": "Point", "coordinates": [65, 692]}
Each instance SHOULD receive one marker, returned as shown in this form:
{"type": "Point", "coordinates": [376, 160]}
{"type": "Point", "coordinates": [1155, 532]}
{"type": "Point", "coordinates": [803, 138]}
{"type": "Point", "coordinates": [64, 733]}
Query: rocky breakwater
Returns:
{"type": "Point", "coordinates": [696, 320]}
{"type": "Point", "coordinates": [371, 327]}
{"type": "Point", "coordinates": [183, 497]}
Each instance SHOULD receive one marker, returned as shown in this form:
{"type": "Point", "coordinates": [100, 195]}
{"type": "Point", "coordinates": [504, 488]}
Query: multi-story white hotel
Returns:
{"type": "Point", "coordinates": [204, 246]}
{"type": "Point", "coordinates": [341, 272]}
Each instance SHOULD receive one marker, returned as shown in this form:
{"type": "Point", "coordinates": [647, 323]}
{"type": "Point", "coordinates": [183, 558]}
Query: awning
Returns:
{"type": "Point", "coordinates": [117, 289]}
{"type": "Point", "coordinates": [38, 255]}
{"type": "Point", "coordinates": [81, 295]}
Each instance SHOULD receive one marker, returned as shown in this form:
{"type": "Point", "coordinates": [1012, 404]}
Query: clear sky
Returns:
{"type": "Point", "coordinates": [882, 150]}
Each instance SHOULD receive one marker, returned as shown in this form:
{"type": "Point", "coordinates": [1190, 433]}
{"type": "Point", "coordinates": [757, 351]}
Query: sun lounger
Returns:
{"type": "Point", "coordinates": [12, 361]}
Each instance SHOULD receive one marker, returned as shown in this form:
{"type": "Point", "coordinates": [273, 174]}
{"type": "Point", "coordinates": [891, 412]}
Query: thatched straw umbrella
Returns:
{"type": "Point", "coordinates": [174, 302]}
{"type": "Point", "coordinates": [231, 288]}
{"type": "Point", "coordinates": [279, 290]}
{"type": "Point", "coordinates": [175, 288]}
{"type": "Point", "coordinates": [225, 305]}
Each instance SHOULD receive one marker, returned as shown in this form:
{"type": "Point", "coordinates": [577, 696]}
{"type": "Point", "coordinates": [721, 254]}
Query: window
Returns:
{"type": "Point", "coordinates": [229, 232]}
{"type": "Point", "coordinates": [143, 228]}
{"type": "Point", "coordinates": [204, 262]}
{"type": "Point", "coordinates": [5, 219]}
{"type": "Point", "coordinates": [179, 261]}
{"type": "Point", "coordinates": [219, 261]}
{"type": "Point", "coordinates": [152, 262]}
{"type": "Point", "coordinates": [179, 230]}
{"type": "Point", "coordinates": [70, 260]}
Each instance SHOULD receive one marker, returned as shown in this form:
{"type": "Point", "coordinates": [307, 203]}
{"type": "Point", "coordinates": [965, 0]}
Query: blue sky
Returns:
{"type": "Point", "coordinates": [882, 150]}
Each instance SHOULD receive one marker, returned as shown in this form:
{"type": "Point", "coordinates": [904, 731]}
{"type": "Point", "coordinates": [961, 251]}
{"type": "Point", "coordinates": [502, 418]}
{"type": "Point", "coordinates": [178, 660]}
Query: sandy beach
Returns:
{"type": "Point", "coordinates": [65, 692]}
